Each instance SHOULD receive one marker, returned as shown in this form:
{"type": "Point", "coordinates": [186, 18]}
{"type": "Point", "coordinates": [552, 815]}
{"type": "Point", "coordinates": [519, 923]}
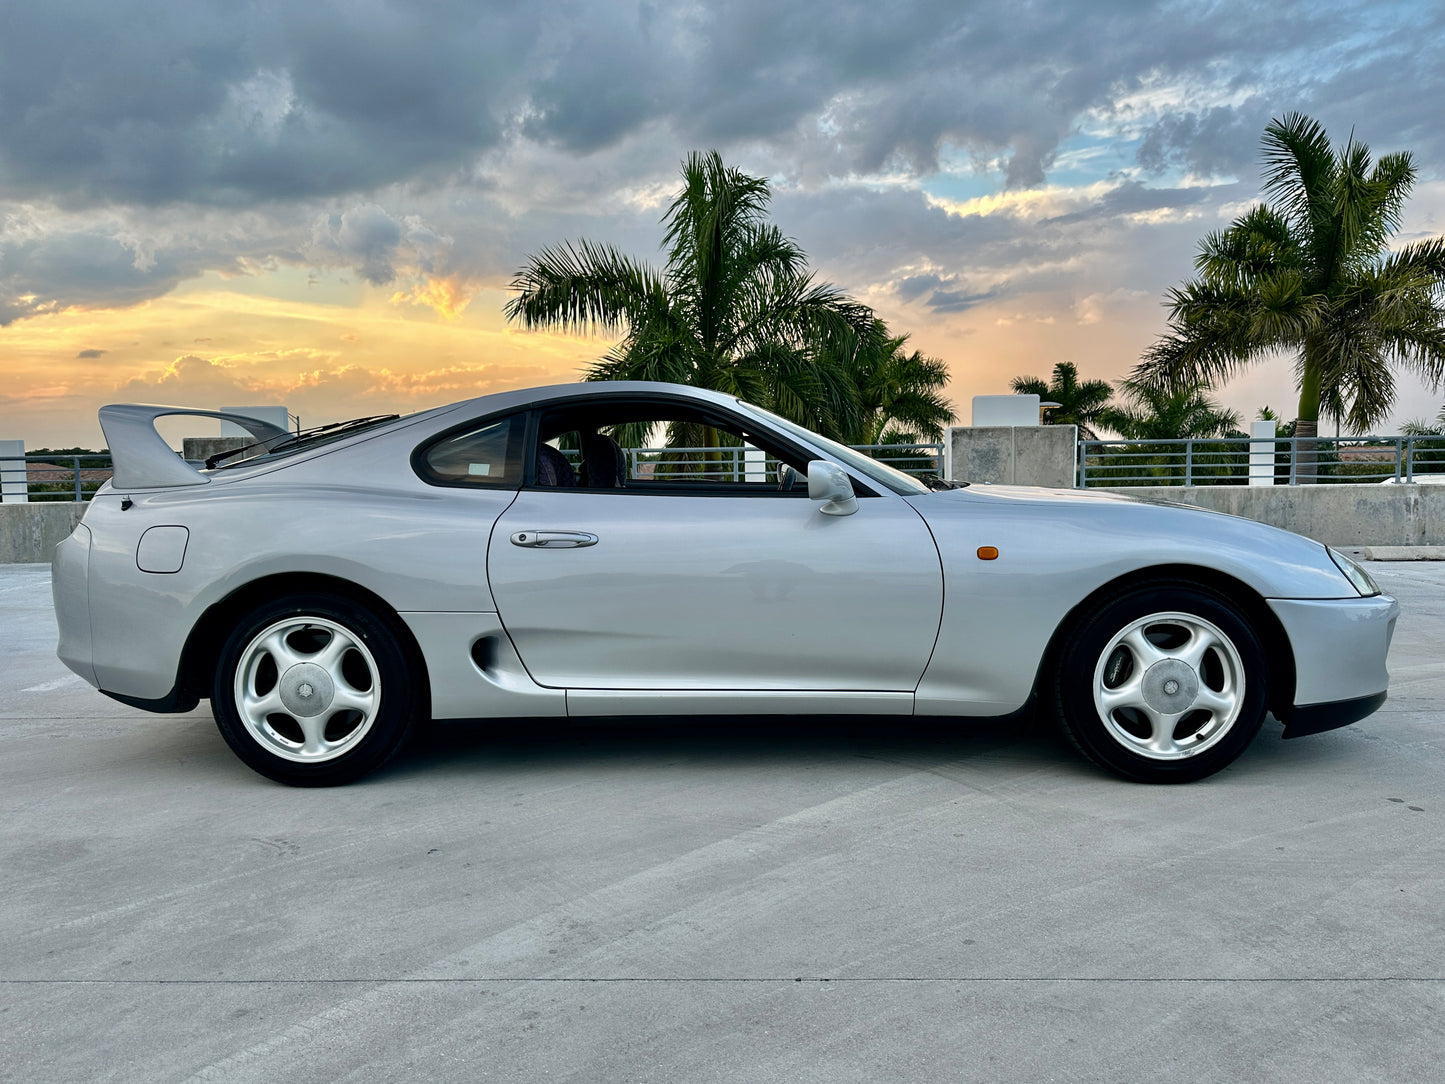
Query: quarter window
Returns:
{"type": "Point", "coordinates": [488, 455]}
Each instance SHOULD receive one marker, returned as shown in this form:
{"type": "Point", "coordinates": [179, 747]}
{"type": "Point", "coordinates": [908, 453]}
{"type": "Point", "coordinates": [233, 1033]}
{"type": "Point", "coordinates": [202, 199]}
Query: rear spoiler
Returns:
{"type": "Point", "coordinates": [142, 458]}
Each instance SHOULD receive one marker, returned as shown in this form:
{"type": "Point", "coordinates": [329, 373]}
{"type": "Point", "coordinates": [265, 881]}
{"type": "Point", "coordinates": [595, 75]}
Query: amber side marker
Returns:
{"type": "Point", "coordinates": [987, 553]}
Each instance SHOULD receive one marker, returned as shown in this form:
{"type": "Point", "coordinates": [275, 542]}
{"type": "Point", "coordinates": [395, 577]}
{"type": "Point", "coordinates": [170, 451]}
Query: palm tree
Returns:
{"type": "Point", "coordinates": [733, 309]}
{"type": "Point", "coordinates": [1080, 403]}
{"type": "Point", "coordinates": [1418, 427]}
{"type": "Point", "coordinates": [1178, 412]}
{"type": "Point", "coordinates": [1157, 412]}
{"type": "Point", "coordinates": [1428, 454]}
{"type": "Point", "coordinates": [1310, 274]}
{"type": "Point", "coordinates": [896, 395]}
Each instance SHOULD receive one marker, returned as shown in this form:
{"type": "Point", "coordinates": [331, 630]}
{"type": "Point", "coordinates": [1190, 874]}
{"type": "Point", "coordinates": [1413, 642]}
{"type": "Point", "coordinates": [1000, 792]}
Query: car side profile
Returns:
{"type": "Point", "coordinates": [504, 557]}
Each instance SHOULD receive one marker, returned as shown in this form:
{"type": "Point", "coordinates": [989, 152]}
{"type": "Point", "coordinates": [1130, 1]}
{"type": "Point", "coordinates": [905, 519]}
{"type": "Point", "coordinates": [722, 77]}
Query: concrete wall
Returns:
{"type": "Point", "coordinates": [1019, 455]}
{"type": "Point", "coordinates": [28, 532]}
{"type": "Point", "coordinates": [198, 449]}
{"type": "Point", "coordinates": [1337, 515]}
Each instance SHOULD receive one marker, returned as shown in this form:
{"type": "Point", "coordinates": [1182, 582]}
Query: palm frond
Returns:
{"type": "Point", "coordinates": [584, 287]}
{"type": "Point", "coordinates": [1299, 169]}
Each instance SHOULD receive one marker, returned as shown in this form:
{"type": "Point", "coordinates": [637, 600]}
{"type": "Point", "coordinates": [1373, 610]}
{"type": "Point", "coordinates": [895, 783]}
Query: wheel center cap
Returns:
{"type": "Point", "coordinates": [1170, 686]}
{"type": "Point", "coordinates": [306, 690]}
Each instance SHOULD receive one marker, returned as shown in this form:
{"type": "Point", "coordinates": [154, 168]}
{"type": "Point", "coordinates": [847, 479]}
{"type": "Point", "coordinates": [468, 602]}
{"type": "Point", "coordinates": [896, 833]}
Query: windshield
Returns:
{"type": "Point", "coordinates": [290, 442]}
{"type": "Point", "coordinates": [903, 484]}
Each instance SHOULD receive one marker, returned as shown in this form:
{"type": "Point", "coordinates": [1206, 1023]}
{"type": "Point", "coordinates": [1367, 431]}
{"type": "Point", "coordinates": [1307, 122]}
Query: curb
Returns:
{"type": "Point", "coordinates": [1394, 553]}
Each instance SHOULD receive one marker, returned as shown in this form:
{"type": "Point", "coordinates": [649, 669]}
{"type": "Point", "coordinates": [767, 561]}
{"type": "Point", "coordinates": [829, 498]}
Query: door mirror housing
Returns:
{"type": "Point", "coordinates": [829, 483]}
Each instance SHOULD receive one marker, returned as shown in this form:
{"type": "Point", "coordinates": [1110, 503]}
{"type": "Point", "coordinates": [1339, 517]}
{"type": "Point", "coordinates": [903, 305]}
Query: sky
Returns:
{"type": "Point", "coordinates": [239, 202]}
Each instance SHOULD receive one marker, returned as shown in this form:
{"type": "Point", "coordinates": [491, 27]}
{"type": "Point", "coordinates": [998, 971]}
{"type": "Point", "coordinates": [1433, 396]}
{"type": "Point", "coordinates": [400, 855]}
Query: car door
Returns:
{"type": "Point", "coordinates": [734, 591]}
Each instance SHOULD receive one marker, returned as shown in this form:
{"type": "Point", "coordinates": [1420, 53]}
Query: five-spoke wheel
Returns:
{"type": "Point", "coordinates": [313, 690]}
{"type": "Point", "coordinates": [1165, 683]}
{"type": "Point", "coordinates": [307, 689]}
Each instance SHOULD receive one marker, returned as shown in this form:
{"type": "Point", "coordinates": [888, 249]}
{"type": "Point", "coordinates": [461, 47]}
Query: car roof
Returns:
{"type": "Point", "coordinates": [439, 418]}
{"type": "Point", "coordinates": [527, 397]}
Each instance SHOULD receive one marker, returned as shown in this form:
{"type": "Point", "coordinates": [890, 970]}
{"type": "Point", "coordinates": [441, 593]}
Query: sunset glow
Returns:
{"type": "Point", "coordinates": [1012, 188]}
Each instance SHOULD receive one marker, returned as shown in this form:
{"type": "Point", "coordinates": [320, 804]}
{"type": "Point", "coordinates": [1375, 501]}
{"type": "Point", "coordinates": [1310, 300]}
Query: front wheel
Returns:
{"type": "Point", "coordinates": [1163, 684]}
{"type": "Point", "coordinates": [314, 690]}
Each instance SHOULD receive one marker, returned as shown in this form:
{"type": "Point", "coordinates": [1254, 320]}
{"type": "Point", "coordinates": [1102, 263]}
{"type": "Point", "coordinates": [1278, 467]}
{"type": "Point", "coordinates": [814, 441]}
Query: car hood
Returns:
{"type": "Point", "coordinates": [1040, 495]}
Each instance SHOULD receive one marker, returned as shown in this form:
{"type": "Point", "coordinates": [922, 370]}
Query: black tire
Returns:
{"type": "Point", "coordinates": [323, 652]}
{"type": "Point", "coordinates": [1115, 699]}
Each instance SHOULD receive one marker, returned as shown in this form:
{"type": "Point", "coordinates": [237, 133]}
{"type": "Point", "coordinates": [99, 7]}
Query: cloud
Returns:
{"type": "Point", "coordinates": [91, 354]}
{"type": "Point", "coordinates": [319, 390]}
{"type": "Point", "coordinates": [448, 296]}
{"type": "Point", "coordinates": [375, 241]}
{"type": "Point", "coordinates": [85, 267]}
{"type": "Point", "coordinates": [952, 162]}
{"type": "Point", "coordinates": [243, 105]}
{"type": "Point", "coordinates": [217, 103]}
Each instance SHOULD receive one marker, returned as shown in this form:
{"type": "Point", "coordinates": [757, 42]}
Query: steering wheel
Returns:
{"type": "Point", "coordinates": [787, 478]}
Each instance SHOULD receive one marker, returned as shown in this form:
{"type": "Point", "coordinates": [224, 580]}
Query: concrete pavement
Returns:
{"type": "Point", "coordinates": [827, 901]}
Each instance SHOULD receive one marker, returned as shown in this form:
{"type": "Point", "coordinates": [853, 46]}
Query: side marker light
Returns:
{"type": "Point", "coordinates": [988, 553]}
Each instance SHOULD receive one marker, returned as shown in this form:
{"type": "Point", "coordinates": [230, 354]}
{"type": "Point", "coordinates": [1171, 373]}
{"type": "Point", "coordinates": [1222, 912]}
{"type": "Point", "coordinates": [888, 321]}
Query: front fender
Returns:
{"type": "Point", "coordinates": [1055, 549]}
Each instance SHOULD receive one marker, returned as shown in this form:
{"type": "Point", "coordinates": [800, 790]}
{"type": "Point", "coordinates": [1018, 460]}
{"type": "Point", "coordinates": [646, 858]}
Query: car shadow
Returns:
{"type": "Point", "coordinates": [1025, 742]}
{"type": "Point", "coordinates": [780, 740]}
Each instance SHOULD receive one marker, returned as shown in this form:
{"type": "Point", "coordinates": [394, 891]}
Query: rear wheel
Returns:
{"type": "Point", "coordinates": [314, 690]}
{"type": "Point", "coordinates": [1163, 684]}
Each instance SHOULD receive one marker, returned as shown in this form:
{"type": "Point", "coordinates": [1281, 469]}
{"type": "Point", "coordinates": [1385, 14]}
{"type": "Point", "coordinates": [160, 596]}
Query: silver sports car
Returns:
{"type": "Point", "coordinates": [504, 557]}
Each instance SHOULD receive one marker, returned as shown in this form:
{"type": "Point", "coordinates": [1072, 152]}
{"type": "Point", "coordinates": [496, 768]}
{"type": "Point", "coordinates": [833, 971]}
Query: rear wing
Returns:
{"type": "Point", "coordinates": [142, 458]}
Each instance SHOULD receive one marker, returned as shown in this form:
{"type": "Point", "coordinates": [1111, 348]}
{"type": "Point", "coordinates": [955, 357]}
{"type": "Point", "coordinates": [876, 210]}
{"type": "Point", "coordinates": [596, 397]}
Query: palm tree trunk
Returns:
{"type": "Point", "coordinates": [1306, 452]}
{"type": "Point", "coordinates": [710, 457]}
{"type": "Point", "coordinates": [1307, 424]}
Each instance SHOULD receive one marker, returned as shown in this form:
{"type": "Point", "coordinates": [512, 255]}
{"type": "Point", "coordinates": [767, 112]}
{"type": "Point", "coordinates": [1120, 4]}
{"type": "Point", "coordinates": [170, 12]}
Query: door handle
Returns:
{"type": "Point", "coordinates": [553, 540]}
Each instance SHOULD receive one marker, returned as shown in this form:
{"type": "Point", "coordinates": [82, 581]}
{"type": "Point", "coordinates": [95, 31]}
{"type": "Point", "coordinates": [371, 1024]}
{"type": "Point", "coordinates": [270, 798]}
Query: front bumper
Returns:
{"type": "Point", "coordinates": [1339, 648]}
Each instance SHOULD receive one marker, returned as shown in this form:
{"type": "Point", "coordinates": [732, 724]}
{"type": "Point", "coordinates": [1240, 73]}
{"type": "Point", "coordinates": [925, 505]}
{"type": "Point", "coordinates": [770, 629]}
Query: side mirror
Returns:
{"type": "Point", "coordinates": [829, 483]}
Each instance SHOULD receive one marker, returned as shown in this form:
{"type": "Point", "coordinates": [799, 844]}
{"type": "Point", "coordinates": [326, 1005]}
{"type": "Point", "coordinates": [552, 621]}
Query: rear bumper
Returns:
{"type": "Point", "coordinates": [70, 589]}
{"type": "Point", "coordinates": [174, 701]}
{"type": "Point", "coordinates": [1339, 648]}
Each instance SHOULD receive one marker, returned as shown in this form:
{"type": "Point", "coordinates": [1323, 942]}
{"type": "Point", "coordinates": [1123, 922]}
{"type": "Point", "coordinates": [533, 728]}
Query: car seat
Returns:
{"type": "Point", "coordinates": [553, 469]}
{"type": "Point", "coordinates": [603, 464]}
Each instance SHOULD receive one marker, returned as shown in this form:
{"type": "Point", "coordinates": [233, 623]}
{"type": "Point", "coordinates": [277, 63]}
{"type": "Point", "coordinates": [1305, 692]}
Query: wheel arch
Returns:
{"type": "Point", "coordinates": [1232, 590]}
{"type": "Point", "coordinates": [202, 650]}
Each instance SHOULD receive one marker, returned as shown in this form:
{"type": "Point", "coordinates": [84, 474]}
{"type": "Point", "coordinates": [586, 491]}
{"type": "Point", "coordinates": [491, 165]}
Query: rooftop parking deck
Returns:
{"type": "Point", "coordinates": [698, 900]}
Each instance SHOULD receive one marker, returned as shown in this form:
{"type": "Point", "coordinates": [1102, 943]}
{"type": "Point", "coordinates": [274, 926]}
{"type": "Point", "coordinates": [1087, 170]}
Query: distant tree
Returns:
{"type": "Point", "coordinates": [1155, 412]}
{"type": "Point", "coordinates": [1310, 274]}
{"type": "Point", "coordinates": [1429, 455]}
{"type": "Point", "coordinates": [1081, 403]}
{"type": "Point", "coordinates": [1419, 427]}
{"type": "Point", "coordinates": [1152, 412]}
{"type": "Point", "coordinates": [897, 394]}
{"type": "Point", "coordinates": [1282, 428]}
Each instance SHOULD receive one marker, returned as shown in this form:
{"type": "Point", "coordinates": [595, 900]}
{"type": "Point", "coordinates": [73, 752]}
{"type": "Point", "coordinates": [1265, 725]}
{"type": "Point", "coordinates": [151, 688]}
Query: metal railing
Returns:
{"type": "Point", "coordinates": [55, 477]}
{"type": "Point", "coordinates": [1224, 461]}
{"type": "Point", "coordinates": [77, 477]}
{"type": "Point", "coordinates": [748, 464]}
{"type": "Point", "coordinates": [912, 459]}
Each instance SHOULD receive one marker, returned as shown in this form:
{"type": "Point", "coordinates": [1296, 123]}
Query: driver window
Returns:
{"type": "Point", "coordinates": [653, 448]}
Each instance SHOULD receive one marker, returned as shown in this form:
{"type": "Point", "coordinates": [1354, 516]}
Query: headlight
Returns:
{"type": "Point", "coordinates": [1354, 572]}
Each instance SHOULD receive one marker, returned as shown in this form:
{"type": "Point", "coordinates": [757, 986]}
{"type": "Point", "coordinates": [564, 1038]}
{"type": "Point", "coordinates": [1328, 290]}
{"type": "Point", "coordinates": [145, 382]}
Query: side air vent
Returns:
{"type": "Point", "coordinates": [484, 653]}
